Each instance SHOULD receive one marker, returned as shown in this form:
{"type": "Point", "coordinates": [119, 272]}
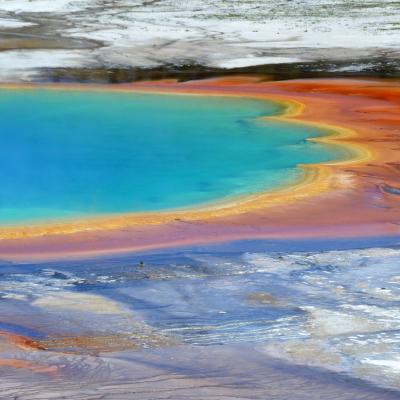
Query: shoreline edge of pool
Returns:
{"type": "Point", "coordinates": [328, 201]}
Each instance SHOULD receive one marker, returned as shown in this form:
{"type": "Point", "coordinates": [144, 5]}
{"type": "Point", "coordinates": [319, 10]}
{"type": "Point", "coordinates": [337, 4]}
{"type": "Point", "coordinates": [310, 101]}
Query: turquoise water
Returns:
{"type": "Point", "coordinates": [67, 154]}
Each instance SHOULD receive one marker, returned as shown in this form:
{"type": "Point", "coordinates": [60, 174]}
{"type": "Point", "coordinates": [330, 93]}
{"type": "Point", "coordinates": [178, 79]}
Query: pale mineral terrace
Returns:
{"type": "Point", "coordinates": [37, 34]}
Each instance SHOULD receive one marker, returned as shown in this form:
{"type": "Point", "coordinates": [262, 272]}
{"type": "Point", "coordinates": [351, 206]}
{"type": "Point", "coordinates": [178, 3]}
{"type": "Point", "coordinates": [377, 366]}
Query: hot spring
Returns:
{"type": "Point", "coordinates": [68, 154]}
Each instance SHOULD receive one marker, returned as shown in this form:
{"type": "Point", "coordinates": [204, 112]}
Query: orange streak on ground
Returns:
{"type": "Point", "coordinates": [334, 200]}
{"type": "Point", "coordinates": [26, 344]}
{"type": "Point", "coordinates": [20, 341]}
{"type": "Point", "coordinates": [29, 365]}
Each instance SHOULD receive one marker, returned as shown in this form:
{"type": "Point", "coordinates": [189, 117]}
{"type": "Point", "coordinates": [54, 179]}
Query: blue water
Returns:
{"type": "Point", "coordinates": [67, 154]}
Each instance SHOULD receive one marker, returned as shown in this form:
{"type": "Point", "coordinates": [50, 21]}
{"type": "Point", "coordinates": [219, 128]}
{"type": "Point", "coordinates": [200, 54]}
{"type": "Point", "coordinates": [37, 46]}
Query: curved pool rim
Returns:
{"type": "Point", "coordinates": [314, 179]}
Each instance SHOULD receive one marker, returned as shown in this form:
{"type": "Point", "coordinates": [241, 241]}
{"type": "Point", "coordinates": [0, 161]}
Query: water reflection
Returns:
{"type": "Point", "coordinates": [205, 325]}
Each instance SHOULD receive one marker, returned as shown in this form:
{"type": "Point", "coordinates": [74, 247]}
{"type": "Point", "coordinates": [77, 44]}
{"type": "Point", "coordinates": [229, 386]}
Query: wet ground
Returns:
{"type": "Point", "coordinates": [243, 321]}
{"type": "Point", "coordinates": [204, 324]}
{"type": "Point", "coordinates": [373, 67]}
